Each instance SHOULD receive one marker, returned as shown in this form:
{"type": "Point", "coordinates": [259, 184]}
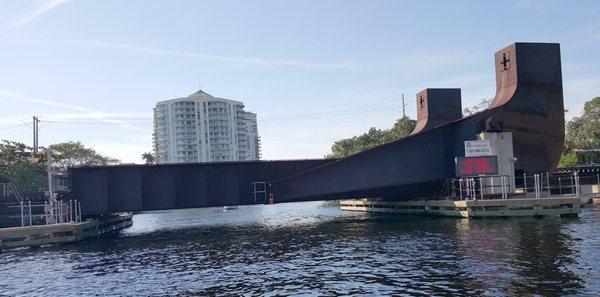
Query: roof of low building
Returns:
{"type": "Point", "coordinates": [200, 93]}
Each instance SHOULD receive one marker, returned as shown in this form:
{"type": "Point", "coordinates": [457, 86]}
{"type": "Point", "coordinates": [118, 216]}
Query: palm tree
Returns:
{"type": "Point", "coordinates": [149, 158]}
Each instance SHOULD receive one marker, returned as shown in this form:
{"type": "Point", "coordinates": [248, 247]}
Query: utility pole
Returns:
{"type": "Point", "coordinates": [35, 135]}
{"type": "Point", "coordinates": [51, 200]}
{"type": "Point", "coordinates": [403, 106]}
{"type": "Point", "coordinates": [49, 155]}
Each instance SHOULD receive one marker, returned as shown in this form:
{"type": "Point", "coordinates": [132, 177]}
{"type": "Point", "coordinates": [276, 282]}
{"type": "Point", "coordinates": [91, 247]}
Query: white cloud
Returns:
{"type": "Point", "coordinates": [24, 19]}
{"type": "Point", "coordinates": [127, 147]}
{"type": "Point", "coordinates": [14, 119]}
{"type": "Point", "coordinates": [84, 112]}
{"type": "Point", "coordinates": [21, 97]}
{"type": "Point", "coordinates": [203, 56]}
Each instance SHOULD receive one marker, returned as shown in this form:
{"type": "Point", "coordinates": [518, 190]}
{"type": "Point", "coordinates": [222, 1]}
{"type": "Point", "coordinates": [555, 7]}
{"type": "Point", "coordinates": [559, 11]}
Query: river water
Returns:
{"type": "Point", "coordinates": [316, 249]}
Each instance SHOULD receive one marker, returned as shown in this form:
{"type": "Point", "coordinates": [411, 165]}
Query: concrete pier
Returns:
{"type": "Point", "coordinates": [487, 208]}
{"type": "Point", "coordinates": [61, 233]}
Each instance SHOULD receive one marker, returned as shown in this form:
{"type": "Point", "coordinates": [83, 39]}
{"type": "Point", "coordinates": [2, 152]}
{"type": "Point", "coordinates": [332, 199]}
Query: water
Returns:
{"type": "Point", "coordinates": [315, 249]}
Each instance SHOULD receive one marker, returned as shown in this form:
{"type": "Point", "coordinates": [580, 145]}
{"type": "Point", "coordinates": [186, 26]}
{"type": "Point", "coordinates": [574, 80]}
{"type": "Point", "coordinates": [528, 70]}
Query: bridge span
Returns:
{"type": "Point", "coordinates": [124, 188]}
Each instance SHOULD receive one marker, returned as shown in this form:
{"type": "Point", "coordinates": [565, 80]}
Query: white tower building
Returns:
{"type": "Point", "coordinates": [204, 128]}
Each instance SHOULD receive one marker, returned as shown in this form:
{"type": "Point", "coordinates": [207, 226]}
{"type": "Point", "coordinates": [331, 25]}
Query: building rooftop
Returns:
{"type": "Point", "coordinates": [201, 95]}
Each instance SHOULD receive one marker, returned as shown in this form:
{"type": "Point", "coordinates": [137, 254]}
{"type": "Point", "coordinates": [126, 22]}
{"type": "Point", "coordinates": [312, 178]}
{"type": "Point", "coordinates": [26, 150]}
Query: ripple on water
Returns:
{"type": "Point", "coordinates": [313, 248]}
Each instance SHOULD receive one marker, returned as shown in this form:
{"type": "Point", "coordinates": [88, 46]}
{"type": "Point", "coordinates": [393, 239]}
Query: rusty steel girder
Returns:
{"type": "Point", "coordinates": [436, 107]}
{"type": "Point", "coordinates": [528, 103]}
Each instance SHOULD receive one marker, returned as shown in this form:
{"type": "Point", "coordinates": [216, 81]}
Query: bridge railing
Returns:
{"type": "Point", "coordinates": [534, 185]}
{"type": "Point", "coordinates": [10, 201]}
{"type": "Point", "coordinates": [481, 187]}
{"type": "Point", "coordinates": [571, 183]}
{"type": "Point", "coordinates": [47, 213]}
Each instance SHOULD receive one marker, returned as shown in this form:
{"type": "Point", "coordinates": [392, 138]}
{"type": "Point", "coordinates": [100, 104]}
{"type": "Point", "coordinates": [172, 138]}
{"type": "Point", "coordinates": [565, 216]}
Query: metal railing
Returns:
{"type": "Point", "coordinates": [14, 200]}
{"type": "Point", "coordinates": [474, 188]}
{"type": "Point", "coordinates": [49, 213]}
{"type": "Point", "coordinates": [544, 184]}
{"type": "Point", "coordinates": [535, 185]}
{"type": "Point", "coordinates": [8, 189]}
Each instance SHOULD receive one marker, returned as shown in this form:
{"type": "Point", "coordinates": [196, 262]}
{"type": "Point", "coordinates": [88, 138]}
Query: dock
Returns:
{"type": "Point", "coordinates": [487, 208]}
{"type": "Point", "coordinates": [62, 233]}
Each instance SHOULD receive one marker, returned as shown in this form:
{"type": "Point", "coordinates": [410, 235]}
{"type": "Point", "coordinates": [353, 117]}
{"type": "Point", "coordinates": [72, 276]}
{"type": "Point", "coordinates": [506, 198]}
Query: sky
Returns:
{"type": "Point", "coordinates": [314, 71]}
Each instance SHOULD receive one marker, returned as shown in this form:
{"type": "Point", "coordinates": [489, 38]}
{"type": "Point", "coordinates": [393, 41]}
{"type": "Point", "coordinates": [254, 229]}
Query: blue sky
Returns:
{"type": "Point", "coordinates": [314, 71]}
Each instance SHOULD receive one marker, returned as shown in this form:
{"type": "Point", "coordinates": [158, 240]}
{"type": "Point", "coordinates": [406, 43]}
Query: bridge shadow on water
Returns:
{"type": "Point", "coordinates": [309, 248]}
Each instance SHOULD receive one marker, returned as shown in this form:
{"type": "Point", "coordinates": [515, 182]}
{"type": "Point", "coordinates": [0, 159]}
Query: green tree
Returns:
{"type": "Point", "coordinates": [482, 105]}
{"type": "Point", "coordinates": [68, 154]}
{"type": "Point", "coordinates": [149, 158]}
{"type": "Point", "coordinates": [374, 137]}
{"type": "Point", "coordinates": [12, 152]}
{"type": "Point", "coordinates": [568, 159]}
{"type": "Point", "coordinates": [583, 132]}
{"type": "Point", "coordinates": [18, 165]}
{"type": "Point", "coordinates": [26, 176]}
{"type": "Point", "coordinates": [403, 127]}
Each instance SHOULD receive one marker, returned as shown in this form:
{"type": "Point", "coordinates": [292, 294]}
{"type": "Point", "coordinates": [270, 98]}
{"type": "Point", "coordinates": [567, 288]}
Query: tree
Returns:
{"type": "Point", "coordinates": [68, 154]}
{"type": "Point", "coordinates": [582, 141]}
{"type": "Point", "coordinates": [374, 137]}
{"type": "Point", "coordinates": [149, 158]}
{"type": "Point", "coordinates": [568, 159]}
{"type": "Point", "coordinates": [482, 105]}
{"type": "Point", "coordinates": [12, 152]}
{"type": "Point", "coordinates": [27, 177]}
{"type": "Point", "coordinates": [18, 165]}
{"type": "Point", "coordinates": [403, 127]}
{"type": "Point", "coordinates": [583, 133]}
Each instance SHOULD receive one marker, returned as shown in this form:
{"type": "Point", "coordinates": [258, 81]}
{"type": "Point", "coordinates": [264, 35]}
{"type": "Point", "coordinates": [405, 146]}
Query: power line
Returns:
{"type": "Point", "coordinates": [374, 105]}
{"type": "Point", "coordinates": [87, 119]}
{"type": "Point", "coordinates": [44, 124]}
{"type": "Point", "coordinates": [144, 122]}
{"type": "Point", "coordinates": [326, 113]}
{"type": "Point", "coordinates": [21, 125]}
{"type": "Point", "coordinates": [383, 104]}
{"type": "Point", "coordinates": [341, 113]}
{"type": "Point", "coordinates": [97, 123]}
{"type": "Point", "coordinates": [374, 102]}
{"type": "Point", "coordinates": [12, 123]}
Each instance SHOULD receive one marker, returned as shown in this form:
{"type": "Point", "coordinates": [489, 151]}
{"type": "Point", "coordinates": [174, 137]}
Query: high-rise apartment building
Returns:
{"type": "Point", "coordinates": [204, 128]}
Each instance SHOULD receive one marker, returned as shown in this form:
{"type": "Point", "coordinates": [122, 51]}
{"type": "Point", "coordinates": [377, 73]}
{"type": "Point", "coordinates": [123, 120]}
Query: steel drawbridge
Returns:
{"type": "Point", "coordinates": [528, 103]}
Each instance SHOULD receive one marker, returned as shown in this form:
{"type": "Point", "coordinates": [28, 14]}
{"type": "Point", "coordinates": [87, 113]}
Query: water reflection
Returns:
{"type": "Point", "coordinates": [521, 256]}
{"type": "Point", "coordinates": [548, 253]}
{"type": "Point", "coordinates": [313, 248]}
